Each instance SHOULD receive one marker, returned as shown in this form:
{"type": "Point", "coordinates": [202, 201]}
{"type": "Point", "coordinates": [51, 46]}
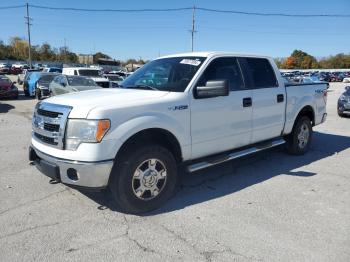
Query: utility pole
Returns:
{"type": "Point", "coordinates": [193, 27]}
{"type": "Point", "coordinates": [65, 51]}
{"type": "Point", "coordinates": [28, 29]}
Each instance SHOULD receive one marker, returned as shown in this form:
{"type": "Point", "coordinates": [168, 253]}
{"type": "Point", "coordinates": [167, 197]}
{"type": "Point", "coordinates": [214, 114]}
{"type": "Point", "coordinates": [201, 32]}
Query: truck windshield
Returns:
{"type": "Point", "coordinates": [89, 72]}
{"type": "Point", "coordinates": [166, 74]}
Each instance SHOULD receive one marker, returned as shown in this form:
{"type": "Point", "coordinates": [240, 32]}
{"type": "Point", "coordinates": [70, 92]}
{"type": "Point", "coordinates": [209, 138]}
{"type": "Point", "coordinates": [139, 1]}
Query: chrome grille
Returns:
{"type": "Point", "coordinates": [49, 123]}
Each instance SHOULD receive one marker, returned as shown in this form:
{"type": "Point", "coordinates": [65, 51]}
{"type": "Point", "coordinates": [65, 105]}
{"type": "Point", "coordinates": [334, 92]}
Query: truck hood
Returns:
{"type": "Point", "coordinates": [83, 102]}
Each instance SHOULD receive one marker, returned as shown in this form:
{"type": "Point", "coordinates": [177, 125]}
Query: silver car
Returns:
{"type": "Point", "coordinates": [63, 84]}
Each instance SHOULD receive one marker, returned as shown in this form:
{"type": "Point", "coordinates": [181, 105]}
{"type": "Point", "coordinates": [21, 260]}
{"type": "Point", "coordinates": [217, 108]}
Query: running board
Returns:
{"type": "Point", "coordinates": [234, 155]}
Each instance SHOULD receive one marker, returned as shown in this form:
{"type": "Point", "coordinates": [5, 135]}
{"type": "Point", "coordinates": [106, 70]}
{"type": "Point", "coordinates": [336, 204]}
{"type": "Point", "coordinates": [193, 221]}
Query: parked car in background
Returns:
{"type": "Point", "coordinates": [15, 70]}
{"type": "Point", "coordinates": [8, 88]}
{"type": "Point", "coordinates": [23, 76]}
{"type": "Point", "coordinates": [94, 74]}
{"type": "Point", "coordinates": [344, 103]}
{"type": "Point", "coordinates": [63, 84]}
{"type": "Point", "coordinates": [5, 68]}
{"type": "Point", "coordinates": [42, 85]}
{"type": "Point", "coordinates": [115, 80]}
{"type": "Point", "coordinates": [52, 70]}
{"type": "Point", "coordinates": [337, 77]}
{"type": "Point", "coordinates": [30, 85]}
{"type": "Point", "coordinates": [346, 79]}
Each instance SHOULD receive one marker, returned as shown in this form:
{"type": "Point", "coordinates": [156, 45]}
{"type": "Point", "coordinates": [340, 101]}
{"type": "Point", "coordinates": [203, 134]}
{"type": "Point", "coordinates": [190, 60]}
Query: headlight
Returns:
{"type": "Point", "coordinates": [85, 131]}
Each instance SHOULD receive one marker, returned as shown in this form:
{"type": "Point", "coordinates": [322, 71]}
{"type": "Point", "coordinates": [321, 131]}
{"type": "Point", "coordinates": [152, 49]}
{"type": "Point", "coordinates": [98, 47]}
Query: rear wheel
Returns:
{"type": "Point", "coordinates": [144, 179]}
{"type": "Point", "coordinates": [298, 142]}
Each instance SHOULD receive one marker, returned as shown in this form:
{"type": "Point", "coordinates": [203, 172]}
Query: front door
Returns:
{"type": "Point", "coordinates": [221, 123]}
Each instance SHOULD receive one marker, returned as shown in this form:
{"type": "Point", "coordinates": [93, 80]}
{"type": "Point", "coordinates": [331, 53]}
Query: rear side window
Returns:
{"type": "Point", "coordinates": [224, 68]}
{"type": "Point", "coordinates": [261, 73]}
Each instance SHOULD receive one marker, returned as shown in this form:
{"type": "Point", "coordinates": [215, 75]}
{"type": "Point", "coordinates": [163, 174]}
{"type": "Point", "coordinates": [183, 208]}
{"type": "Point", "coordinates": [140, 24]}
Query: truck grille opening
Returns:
{"type": "Point", "coordinates": [51, 114]}
{"type": "Point", "coordinates": [45, 139]}
{"type": "Point", "coordinates": [51, 127]}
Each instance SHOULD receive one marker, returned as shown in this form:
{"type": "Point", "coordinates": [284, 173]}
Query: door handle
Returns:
{"type": "Point", "coordinates": [247, 102]}
{"type": "Point", "coordinates": [280, 98]}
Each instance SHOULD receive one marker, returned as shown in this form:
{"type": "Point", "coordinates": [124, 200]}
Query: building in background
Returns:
{"type": "Point", "coordinates": [85, 59]}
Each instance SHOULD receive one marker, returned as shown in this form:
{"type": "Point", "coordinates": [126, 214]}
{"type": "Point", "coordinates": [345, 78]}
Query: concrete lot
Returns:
{"type": "Point", "coordinates": [270, 207]}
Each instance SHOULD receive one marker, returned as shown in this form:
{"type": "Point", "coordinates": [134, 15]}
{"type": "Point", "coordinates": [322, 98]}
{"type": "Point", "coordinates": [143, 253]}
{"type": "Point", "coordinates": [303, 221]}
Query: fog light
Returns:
{"type": "Point", "coordinates": [72, 174]}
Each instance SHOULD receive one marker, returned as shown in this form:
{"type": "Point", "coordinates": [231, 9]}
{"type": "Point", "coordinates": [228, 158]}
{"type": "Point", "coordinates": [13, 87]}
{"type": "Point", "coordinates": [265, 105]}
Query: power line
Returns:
{"type": "Point", "coordinates": [190, 8]}
{"type": "Point", "coordinates": [112, 10]}
{"type": "Point", "coordinates": [176, 10]}
{"type": "Point", "coordinates": [272, 14]}
{"type": "Point", "coordinates": [11, 7]}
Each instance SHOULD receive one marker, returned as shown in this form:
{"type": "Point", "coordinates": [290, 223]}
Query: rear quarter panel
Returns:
{"type": "Point", "coordinates": [300, 96]}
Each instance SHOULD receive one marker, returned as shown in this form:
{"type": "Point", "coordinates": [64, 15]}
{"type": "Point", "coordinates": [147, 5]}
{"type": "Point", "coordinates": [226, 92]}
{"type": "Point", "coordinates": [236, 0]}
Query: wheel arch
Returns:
{"type": "Point", "coordinates": [159, 136]}
{"type": "Point", "coordinates": [306, 111]}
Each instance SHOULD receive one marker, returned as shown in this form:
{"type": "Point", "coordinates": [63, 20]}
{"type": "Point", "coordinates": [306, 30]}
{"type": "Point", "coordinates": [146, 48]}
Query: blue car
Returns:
{"type": "Point", "coordinates": [30, 85]}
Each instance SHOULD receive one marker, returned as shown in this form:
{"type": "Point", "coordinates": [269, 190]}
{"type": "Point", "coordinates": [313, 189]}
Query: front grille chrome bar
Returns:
{"type": "Point", "coordinates": [49, 124]}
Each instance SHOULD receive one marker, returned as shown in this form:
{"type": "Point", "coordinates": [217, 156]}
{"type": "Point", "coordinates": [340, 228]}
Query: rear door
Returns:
{"type": "Point", "coordinates": [268, 98]}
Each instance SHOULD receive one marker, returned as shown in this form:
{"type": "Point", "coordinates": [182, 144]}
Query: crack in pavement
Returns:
{"type": "Point", "coordinates": [138, 244]}
{"type": "Point", "coordinates": [29, 229]}
{"type": "Point", "coordinates": [207, 254]}
{"type": "Point", "coordinates": [30, 202]}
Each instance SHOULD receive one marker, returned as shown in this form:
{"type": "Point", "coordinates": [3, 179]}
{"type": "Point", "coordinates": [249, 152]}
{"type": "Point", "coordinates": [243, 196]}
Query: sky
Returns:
{"type": "Point", "coordinates": [150, 34]}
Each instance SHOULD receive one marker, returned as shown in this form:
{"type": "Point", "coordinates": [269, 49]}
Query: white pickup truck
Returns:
{"type": "Point", "coordinates": [198, 109]}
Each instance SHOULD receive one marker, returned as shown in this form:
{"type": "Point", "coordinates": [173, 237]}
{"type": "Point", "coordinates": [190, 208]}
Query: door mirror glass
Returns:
{"type": "Point", "coordinates": [213, 88]}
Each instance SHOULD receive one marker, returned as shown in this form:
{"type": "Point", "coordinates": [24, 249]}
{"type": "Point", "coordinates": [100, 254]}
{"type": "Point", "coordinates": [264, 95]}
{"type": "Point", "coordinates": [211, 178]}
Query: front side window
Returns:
{"type": "Point", "coordinates": [261, 73]}
{"type": "Point", "coordinates": [167, 74]}
{"type": "Point", "coordinates": [225, 68]}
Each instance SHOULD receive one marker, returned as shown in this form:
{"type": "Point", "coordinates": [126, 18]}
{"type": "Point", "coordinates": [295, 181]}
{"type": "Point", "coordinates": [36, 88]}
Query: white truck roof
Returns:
{"type": "Point", "coordinates": [215, 53]}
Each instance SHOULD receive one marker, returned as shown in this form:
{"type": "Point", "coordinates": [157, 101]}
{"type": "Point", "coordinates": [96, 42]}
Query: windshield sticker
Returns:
{"type": "Point", "coordinates": [190, 62]}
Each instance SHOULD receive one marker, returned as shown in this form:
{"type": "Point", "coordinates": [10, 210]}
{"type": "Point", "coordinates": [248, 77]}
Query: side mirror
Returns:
{"type": "Point", "coordinates": [347, 88]}
{"type": "Point", "coordinates": [212, 88]}
{"type": "Point", "coordinates": [14, 82]}
{"type": "Point", "coordinates": [63, 84]}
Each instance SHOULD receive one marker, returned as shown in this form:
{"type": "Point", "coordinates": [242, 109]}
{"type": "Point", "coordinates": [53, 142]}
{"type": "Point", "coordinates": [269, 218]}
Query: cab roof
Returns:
{"type": "Point", "coordinates": [209, 54]}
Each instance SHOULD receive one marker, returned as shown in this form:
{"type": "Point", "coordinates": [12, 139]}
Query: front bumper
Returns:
{"type": "Point", "coordinates": [93, 175]}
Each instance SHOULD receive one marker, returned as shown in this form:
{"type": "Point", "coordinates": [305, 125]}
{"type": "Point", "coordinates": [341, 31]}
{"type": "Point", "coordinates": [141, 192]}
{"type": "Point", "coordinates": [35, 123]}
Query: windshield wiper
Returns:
{"type": "Point", "coordinates": [147, 87]}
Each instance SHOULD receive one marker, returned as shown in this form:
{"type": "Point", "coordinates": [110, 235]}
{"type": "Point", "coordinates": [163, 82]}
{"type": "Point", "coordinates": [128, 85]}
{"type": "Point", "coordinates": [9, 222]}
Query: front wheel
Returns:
{"type": "Point", "coordinates": [38, 94]}
{"type": "Point", "coordinates": [298, 142]}
{"type": "Point", "coordinates": [144, 179]}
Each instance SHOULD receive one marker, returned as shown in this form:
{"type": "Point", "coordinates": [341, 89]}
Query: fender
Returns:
{"type": "Point", "coordinates": [155, 120]}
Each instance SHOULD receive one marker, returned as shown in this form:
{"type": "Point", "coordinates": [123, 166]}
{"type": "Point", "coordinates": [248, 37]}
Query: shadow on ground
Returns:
{"type": "Point", "coordinates": [5, 108]}
{"type": "Point", "coordinates": [239, 174]}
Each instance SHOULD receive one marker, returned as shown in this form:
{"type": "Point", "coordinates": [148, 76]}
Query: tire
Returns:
{"type": "Point", "coordinates": [38, 94]}
{"type": "Point", "coordinates": [340, 113]}
{"type": "Point", "coordinates": [138, 182]}
{"type": "Point", "coordinates": [298, 142]}
{"type": "Point", "coordinates": [26, 92]}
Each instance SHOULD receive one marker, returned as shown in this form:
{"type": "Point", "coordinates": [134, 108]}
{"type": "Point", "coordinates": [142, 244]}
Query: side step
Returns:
{"type": "Point", "coordinates": [236, 154]}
